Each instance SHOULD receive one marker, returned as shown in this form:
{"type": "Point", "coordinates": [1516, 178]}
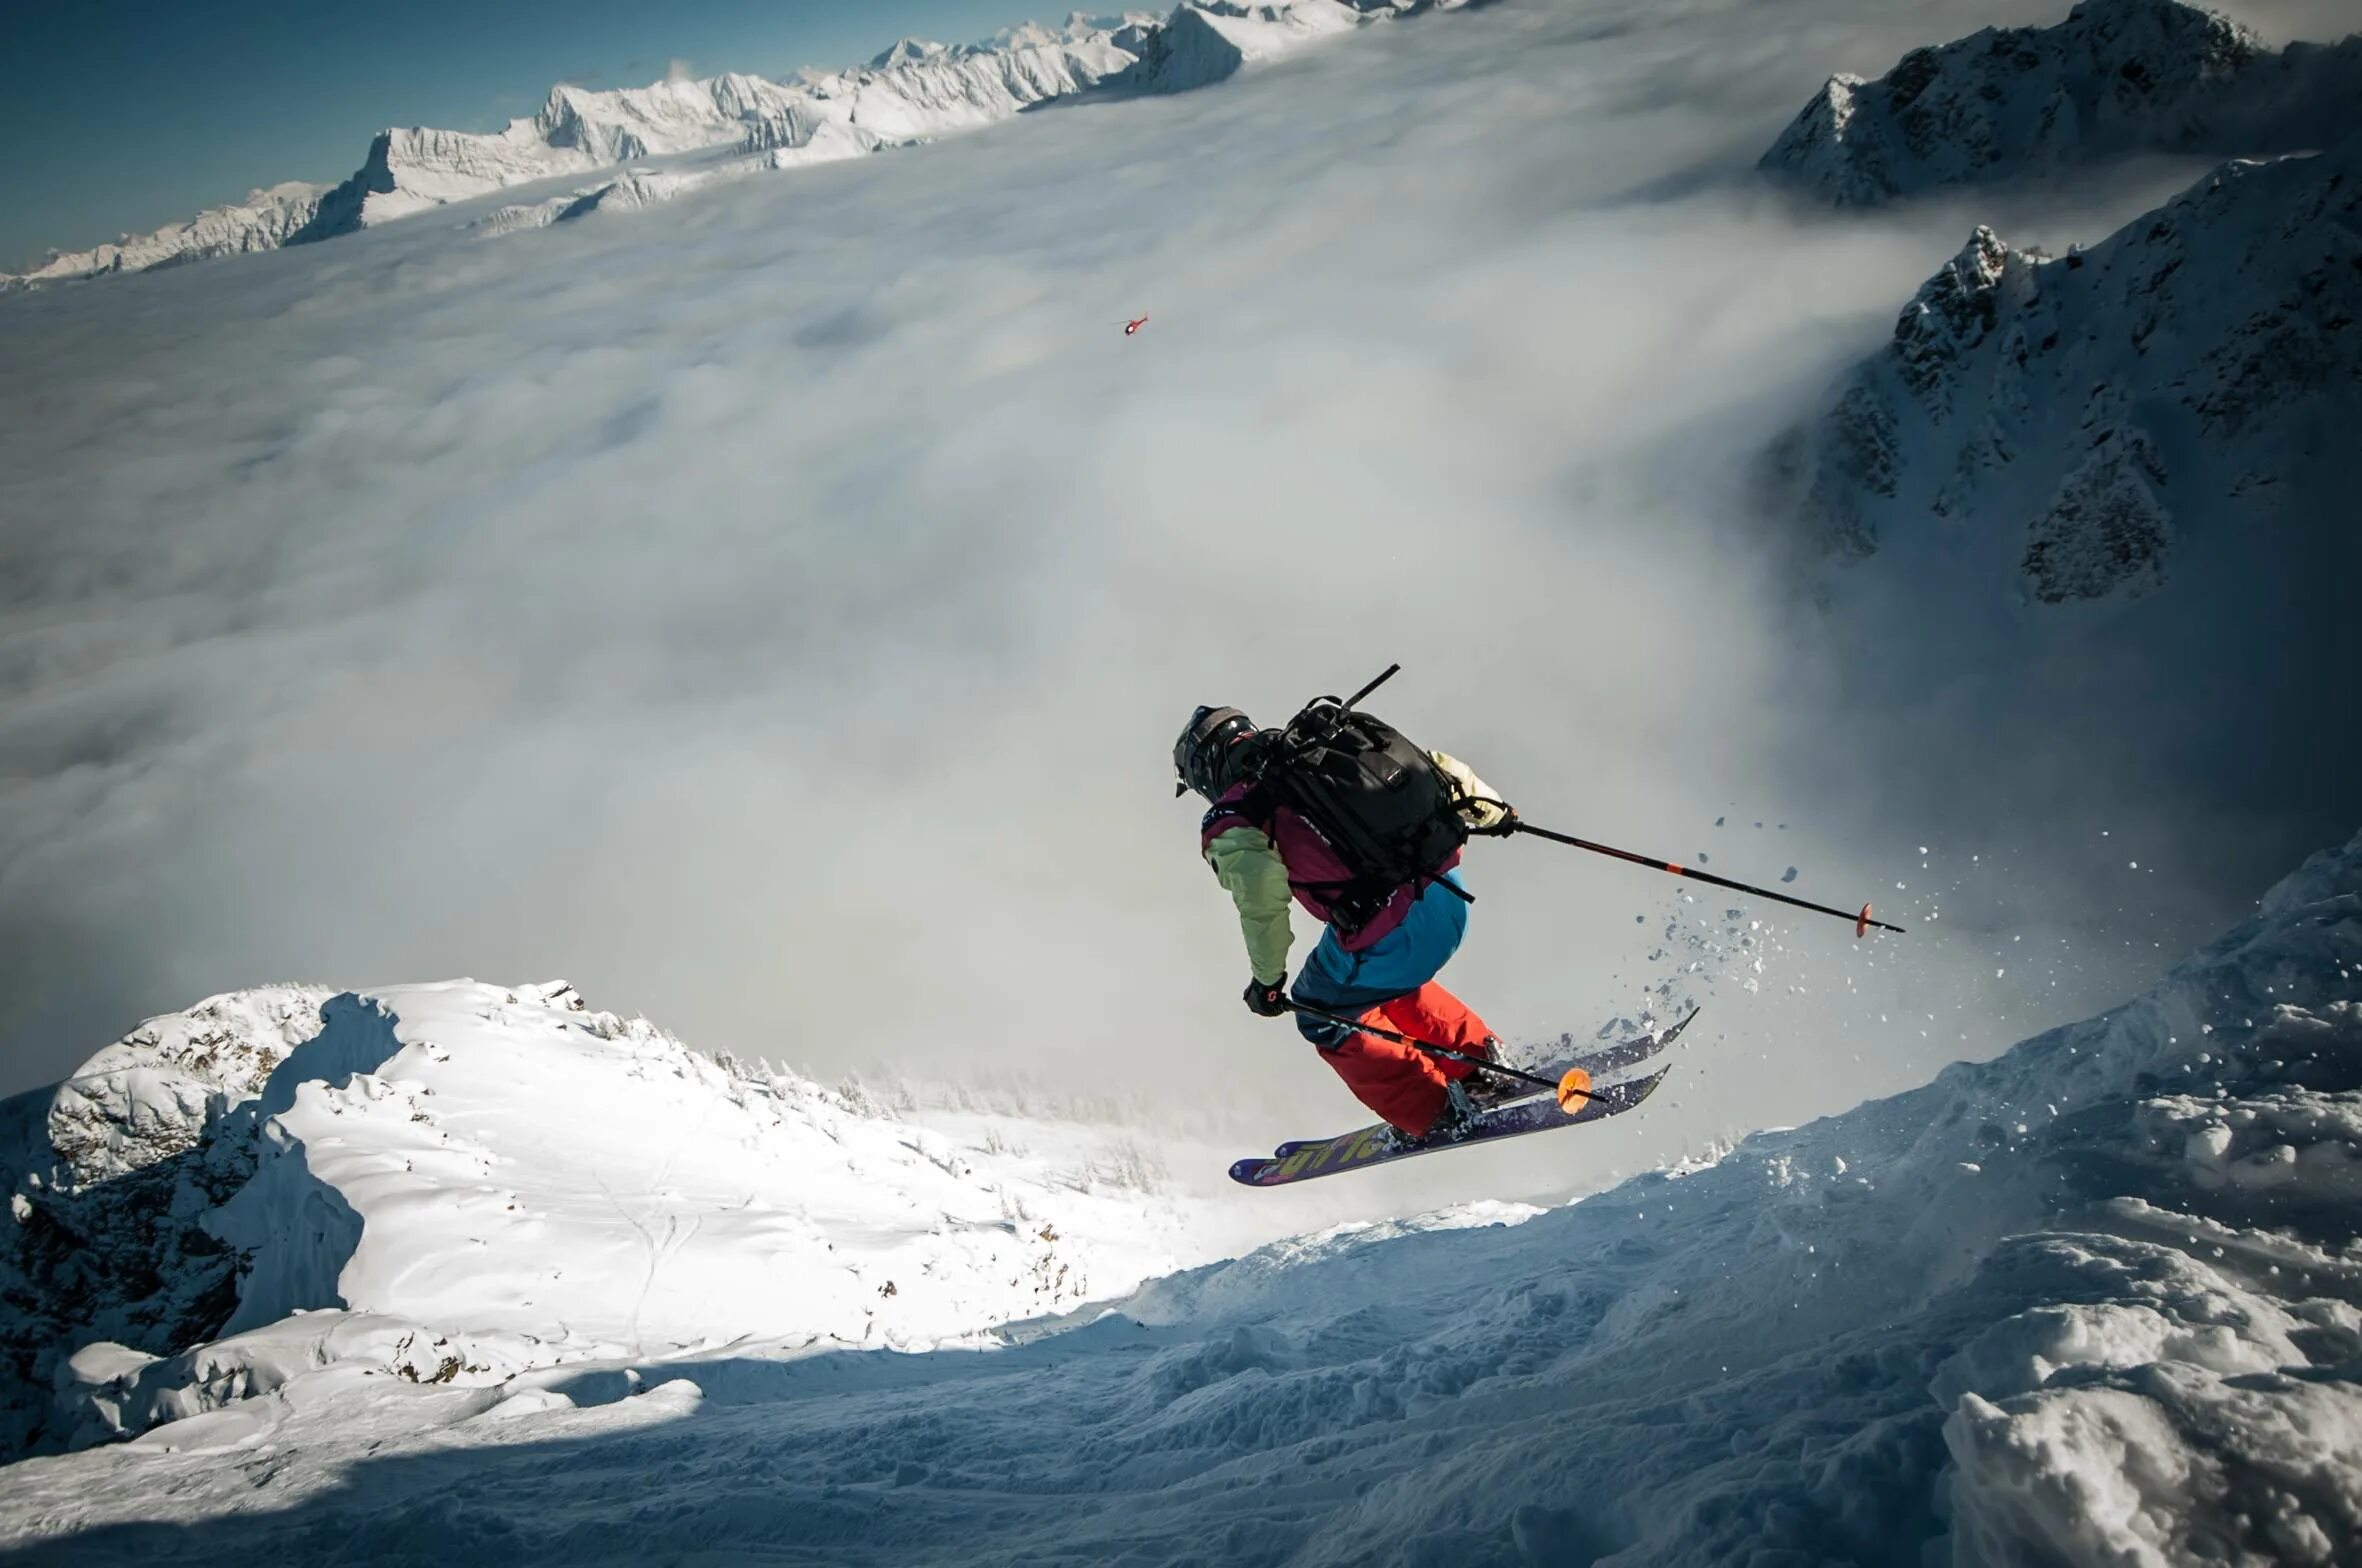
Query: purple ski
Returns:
{"type": "Point", "coordinates": [1380, 1145]}
{"type": "Point", "coordinates": [1608, 1059]}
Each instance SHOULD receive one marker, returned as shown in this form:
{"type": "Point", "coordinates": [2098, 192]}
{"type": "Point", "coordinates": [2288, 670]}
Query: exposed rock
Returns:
{"type": "Point", "coordinates": [2204, 348]}
{"type": "Point", "coordinates": [110, 1175]}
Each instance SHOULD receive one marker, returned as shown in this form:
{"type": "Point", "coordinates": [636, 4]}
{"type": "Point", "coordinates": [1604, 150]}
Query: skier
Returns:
{"type": "Point", "coordinates": [1380, 947]}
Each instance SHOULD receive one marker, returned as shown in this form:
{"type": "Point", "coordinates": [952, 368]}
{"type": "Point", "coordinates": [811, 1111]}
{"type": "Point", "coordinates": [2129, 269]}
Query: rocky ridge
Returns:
{"type": "Point", "coordinates": [912, 92]}
{"type": "Point", "coordinates": [2116, 77]}
{"type": "Point", "coordinates": [2200, 366]}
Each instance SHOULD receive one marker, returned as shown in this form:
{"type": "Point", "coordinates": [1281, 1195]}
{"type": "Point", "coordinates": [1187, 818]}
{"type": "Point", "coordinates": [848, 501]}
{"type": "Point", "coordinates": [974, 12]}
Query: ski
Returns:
{"type": "Point", "coordinates": [1609, 1058]}
{"type": "Point", "coordinates": [1305, 1159]}
{"type": "Point", "coordinates": [1606, 1059]}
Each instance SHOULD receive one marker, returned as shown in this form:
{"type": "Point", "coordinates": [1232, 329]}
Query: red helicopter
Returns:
{"type": "Point", "coordinates": [1131, 327]}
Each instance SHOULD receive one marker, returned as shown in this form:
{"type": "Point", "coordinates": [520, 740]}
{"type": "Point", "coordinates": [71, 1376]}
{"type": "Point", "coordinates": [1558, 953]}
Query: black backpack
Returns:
{"type": "Point", "coordinates": [1375, 796]}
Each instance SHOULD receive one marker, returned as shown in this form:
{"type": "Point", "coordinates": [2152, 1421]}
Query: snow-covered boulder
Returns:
{"type": "Point", "coordinates": [109, 1174]}
{"type": "Point", "coordinates": [2117, 76]}
{"type": "Point", "coordinates": [2196, 372]}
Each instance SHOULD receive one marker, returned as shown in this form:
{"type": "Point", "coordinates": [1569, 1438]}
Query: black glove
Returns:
{"type": "Point", "coordinates": [1268, 1001]}
{"type": "Point", "coordinates": [1501, 829]}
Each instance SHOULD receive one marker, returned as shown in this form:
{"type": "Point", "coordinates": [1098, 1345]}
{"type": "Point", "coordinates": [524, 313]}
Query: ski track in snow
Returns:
{"type": "Point", "coordinates": [2098, 1300]}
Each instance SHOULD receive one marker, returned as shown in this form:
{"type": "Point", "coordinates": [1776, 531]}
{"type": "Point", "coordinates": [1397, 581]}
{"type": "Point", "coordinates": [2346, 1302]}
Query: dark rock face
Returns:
{"type": "Point", "coordinates": [2204, 360]}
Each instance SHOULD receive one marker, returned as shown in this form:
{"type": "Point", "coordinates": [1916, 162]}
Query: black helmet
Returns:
{"type": "Point", "coordinates": [1212, 752]}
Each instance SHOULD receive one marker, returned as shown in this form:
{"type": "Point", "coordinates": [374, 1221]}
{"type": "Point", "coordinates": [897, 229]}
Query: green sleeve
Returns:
{"type": "Point", "coordinates": [1257, 880]}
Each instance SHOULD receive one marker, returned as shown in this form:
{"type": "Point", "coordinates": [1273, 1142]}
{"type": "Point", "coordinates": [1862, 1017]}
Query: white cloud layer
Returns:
{"type": "Point", "coordinates": [792, 591]}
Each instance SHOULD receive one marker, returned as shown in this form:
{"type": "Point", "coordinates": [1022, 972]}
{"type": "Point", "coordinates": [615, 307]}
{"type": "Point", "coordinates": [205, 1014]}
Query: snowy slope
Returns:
{"type": "Point", "coordinates": [913, 92]}
{"type": "Point", "coordinates": [525, 1183]}
{"type": "Point", "coordinates": [2180, 392]}
{"type": "Point", "coordinates": [2117, 76]}
{"type": "Point", "coordinates": [2092, 1302]}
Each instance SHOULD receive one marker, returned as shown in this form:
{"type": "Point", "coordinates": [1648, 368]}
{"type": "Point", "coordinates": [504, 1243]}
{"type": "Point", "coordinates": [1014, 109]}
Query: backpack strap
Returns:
{"type": "Point", "coordinates": [1254, 809]}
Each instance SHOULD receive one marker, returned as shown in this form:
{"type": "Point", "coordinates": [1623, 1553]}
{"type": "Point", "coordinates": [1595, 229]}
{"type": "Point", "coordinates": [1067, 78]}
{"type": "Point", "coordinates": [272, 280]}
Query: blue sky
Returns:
{"type": "Point", "coordinates": [127, 114]}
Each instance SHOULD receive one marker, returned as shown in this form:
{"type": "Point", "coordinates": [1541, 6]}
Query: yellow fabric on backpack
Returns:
{"type": "Point", "coordinates": [1479, 807]}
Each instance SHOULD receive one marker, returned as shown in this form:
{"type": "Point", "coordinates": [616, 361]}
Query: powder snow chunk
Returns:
{"type": "Point", "coordinates": [104, 1362]}
{"type": "Point", "coordinates": [680, 1394]}
{"type": "Point", "coordinates": [526, 1403]}
{"type": "Point", "coordinates": [244, 1426]}
{"type": "Point", "coordinates": [2094, 1476]}
{"type": "Point", "coordinates": [2207, 1146]}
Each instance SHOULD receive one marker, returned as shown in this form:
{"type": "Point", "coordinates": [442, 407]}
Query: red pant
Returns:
{"type": "Point", "coordinates": [1403, 1085]}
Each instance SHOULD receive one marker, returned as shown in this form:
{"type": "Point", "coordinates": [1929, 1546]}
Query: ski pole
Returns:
{"type": "Point", "coordinates": [1576, 1084]}
{"type": "Point", "coordinates": [1862, 921]}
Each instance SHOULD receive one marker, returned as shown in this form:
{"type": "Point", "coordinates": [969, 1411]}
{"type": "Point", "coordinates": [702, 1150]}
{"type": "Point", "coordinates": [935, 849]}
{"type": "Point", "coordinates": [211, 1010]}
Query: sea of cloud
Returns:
{"type": "Point", "coordinates": [792, 592]}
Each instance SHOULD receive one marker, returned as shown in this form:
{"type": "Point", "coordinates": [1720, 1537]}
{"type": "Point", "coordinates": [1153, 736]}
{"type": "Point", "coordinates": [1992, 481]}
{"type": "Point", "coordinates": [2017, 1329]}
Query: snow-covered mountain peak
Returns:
{"type": "Point", "coordinates": [507, 1170]}
{"type": "Point", "coordinates": [915, 91]}
{"type": "Point", "coordinates": [911, 92]}
{"type": "Point", "coordinates": [907, 51]}
{"type": "Point", "coordinates": [1034, 35]}
{"type": "Point", "coordinates": [265, 220]}
{"type": "Point", "coordinates": [1207, 41]}
{"type": "Point", "coordinates": [2098, 415]}
{"type": "Point", "coordinates": [1955, 310]}
{"type": "Point", "coordinates": [2116, 76]}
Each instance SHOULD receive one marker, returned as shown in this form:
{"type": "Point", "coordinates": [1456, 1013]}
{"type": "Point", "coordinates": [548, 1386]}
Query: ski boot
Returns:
{"type": "Point", "coordinates": [1459, 1114]}
{"type": "Point", "coordinates": [1489, 1091]}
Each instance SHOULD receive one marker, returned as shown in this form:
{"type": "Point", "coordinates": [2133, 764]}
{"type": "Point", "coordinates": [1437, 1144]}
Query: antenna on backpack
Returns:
{"type": "Point", "coordinates": [1354, 701]}
{"type": "Point", "coordinates": [1289, 741]}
